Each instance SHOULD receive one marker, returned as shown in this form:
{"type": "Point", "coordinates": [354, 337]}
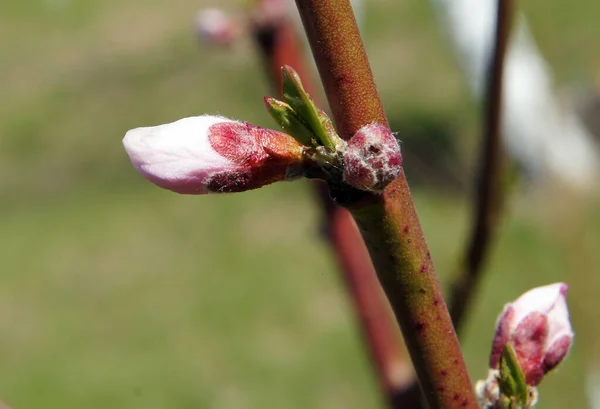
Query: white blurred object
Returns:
{"type": "Point", "coordinates": [358, 7]}
{"type": "Point", "coordinates": [216, 27]}
{"type": "Point", "coordinates": [546, 139]}
{"type": "Point", "coordinates": [592, 388]}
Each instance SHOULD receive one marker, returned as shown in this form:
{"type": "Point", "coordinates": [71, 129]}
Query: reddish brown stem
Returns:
{"type": "Point", "coordinates": [352, 104]}
{"type": "Point", "coordinates": [279, 45]}
{"type": "Point", "coordinates": [488, 199]}
{"type": "Point", "coordinates": [388, 222]}
{"type": "Point", "coordinates": [381, 335]}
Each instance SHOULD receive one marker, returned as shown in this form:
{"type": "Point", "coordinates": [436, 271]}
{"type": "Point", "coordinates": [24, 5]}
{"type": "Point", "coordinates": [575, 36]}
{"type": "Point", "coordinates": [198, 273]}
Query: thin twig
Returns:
{"type": "Point", "coordinates": [388, 222]}
{"type": "Point", "coordinates": [279, 46]}
{"type": "Point", "coordinates": [488, 199]}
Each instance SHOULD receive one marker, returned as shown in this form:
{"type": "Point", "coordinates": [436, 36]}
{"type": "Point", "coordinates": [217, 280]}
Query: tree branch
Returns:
{"type": "Point", "coordinates": [388, 222]}
{"type": "Point", "coordinates": [279, 46]}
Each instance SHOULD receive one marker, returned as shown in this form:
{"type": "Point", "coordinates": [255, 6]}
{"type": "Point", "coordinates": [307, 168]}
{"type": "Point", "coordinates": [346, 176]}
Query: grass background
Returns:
{"type": "Point", "coordinates": [114, 293]}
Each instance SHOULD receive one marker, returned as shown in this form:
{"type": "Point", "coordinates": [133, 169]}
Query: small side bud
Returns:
{"type": "Point", "coordinates": [206, 154]}
{"type": "Point", "coordinates": [372, 159]}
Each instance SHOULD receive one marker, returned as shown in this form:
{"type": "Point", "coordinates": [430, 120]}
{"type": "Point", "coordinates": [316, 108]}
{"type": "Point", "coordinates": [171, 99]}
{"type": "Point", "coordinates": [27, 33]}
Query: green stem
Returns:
{"type": "Point", "coordinates": [388, 222]}
{"type": "Point", "coordinates": [391, 229]}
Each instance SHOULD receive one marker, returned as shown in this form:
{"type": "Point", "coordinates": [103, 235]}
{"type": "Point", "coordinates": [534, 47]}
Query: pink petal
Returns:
{"type": "Point", "coordinates": [502, 335]}
{"type": "Point", "coordinates": [529, 340]}
{"type": "Point", "coordinates": [556, 352]}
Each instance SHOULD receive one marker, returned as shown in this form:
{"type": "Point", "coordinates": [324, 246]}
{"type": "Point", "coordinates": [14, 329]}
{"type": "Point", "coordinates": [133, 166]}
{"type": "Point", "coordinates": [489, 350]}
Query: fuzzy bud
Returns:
{"type": "Point", "coordinates": [537, 326]}
{"type": "Point", "coordinates": [372, 158]}
{"type": "Point", "coordinates": [206, 154]}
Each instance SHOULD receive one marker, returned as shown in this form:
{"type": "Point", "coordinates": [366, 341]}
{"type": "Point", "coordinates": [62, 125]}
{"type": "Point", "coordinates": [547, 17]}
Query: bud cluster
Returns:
{"type": "Point", "coordinates": [206, 154]}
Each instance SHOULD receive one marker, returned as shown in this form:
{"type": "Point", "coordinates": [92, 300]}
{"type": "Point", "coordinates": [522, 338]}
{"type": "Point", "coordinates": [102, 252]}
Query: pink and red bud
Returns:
{"type": "Point", "coordinates": [207, 154]}
{"type": "Point", "coordinates": [373, 158]}
{"type": "Point", "coordinates": [216, 27]}
{"type": "Point", "coordinates": [537, 326]}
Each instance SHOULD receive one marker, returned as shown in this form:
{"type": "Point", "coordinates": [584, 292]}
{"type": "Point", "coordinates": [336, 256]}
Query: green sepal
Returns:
{"type": "Point", "coordinates": [511, 379]}
{"type": "Point", "coordinates": [301, 103]}
{"type": "Point", "coordinates": [289, 121]}
{"type": "Point", "coordinates": [327, 124]}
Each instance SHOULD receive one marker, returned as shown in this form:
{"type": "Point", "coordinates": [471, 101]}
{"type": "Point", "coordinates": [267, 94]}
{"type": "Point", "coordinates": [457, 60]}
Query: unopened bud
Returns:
{"type": "Point", "coordinates": [537, 326]}
{"type": "Point", "coordinates": [206, 154]}
{"type": "Point", "coordinates": [215, 27]}
{"type": "Point", "coordinates": [372, 158]}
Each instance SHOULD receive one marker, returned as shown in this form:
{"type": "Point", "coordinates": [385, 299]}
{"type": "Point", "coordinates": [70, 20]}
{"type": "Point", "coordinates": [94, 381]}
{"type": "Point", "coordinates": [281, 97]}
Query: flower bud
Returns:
{"type": "Point", "coordinates": [537, 326]}
{"type": "Point", "coordinates": [205, 154]}
{"type": "Point", "coordinates": [372, 158]}
{"type": "Point", "coordinates": [215, 27]}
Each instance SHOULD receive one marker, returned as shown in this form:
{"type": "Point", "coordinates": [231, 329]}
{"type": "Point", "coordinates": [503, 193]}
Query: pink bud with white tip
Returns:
{"type": "Point", "coordinates": [206, 154]}
{"type": "Point", "coordinates": [216, 27]}
{"type": "Point", "coordinates": [537, 326]}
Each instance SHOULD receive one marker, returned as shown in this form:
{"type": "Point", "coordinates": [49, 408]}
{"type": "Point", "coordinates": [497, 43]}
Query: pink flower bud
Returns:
{"type": "Point", "coordinates": [537, 325]}
{"type": "Point", "coordinates": [216, 27]}
{"type": "Point", "coordinates": [372, 158]}
{"type": "Point", "coordinates": [205, 154]}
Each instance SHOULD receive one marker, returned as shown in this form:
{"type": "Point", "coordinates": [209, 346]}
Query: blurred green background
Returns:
{"type": "Point", "coordinates": [114, 293]}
